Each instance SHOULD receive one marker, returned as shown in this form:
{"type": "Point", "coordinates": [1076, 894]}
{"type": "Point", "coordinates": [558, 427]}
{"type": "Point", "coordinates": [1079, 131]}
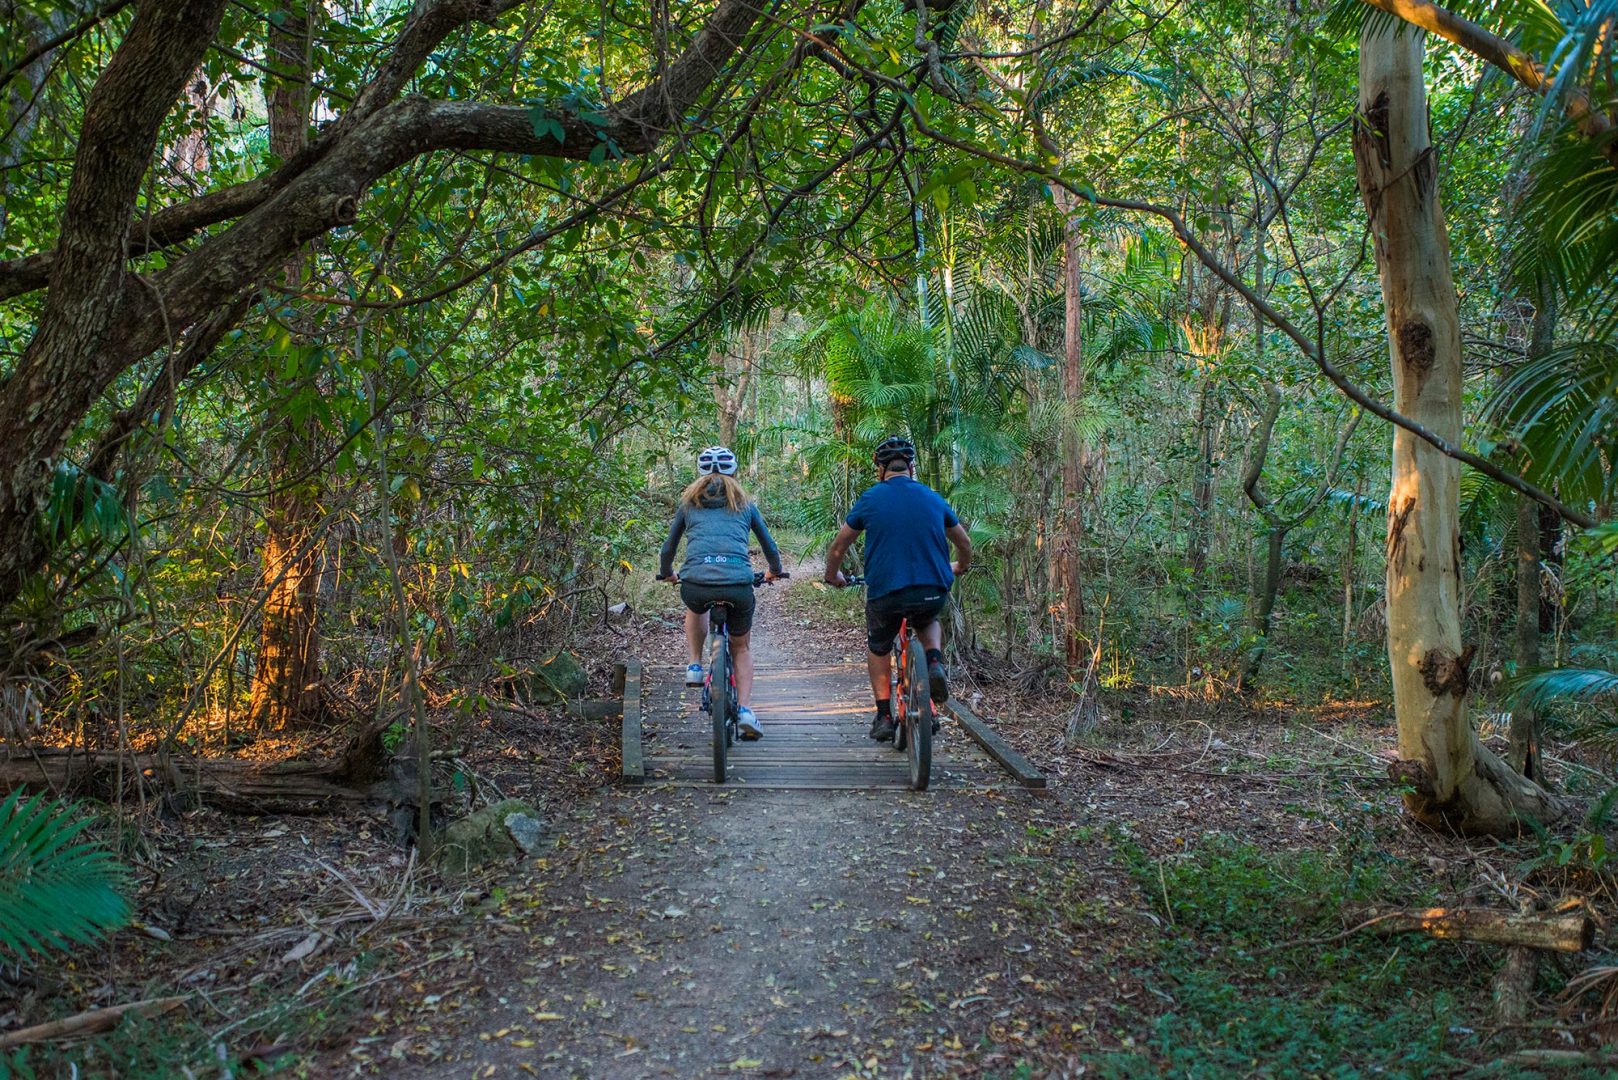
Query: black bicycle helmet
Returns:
{"type": "Point", "coordinates": [894, 448]}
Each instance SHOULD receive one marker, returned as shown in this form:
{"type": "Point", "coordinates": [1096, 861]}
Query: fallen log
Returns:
{"type": "Point", "coordinates": [1511, 991]}
{"type": "Point", "coordinates": [88, 1023]}
{"type": "Point", "coordinates": [1567, 931]}
{"type": "Point", "coordinates": [1563, 1059]}
{"type": "Point", "coordinates": [356, 777]}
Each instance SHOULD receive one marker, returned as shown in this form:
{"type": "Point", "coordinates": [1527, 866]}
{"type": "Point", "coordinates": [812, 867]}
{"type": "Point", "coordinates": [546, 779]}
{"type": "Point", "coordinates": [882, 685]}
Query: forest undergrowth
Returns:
{"type": "Point", "coordinates": [1212, 851]}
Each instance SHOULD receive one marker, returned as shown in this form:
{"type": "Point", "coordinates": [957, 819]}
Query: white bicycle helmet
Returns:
{"type": "Point", "coordinates": [716, 459]}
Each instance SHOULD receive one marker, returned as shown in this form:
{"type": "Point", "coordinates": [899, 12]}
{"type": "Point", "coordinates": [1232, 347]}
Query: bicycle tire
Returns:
{"type": "Point", "coordinates": [900, 700]}
{"type": "Point", "coordinates": [719, 676]}
{"type": "Point", "coordinates": [919, 719]}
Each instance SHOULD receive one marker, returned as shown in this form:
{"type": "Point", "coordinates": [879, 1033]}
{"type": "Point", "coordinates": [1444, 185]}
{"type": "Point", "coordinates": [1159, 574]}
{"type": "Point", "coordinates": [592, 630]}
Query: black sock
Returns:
{"type": "Point", "coordinates": [935, 656]}
{"type": "Point", "coordinates": [884, 707]}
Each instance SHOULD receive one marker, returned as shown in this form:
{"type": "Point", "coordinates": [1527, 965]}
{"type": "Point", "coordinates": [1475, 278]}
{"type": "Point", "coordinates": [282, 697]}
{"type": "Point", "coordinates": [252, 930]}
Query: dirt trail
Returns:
{"type": "Point", "coordinates": [701, 932]}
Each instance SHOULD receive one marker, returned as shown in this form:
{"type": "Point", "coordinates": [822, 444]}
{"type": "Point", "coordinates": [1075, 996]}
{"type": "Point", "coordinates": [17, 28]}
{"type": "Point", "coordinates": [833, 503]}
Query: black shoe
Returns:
{"type": "Point", "coordinates": [882, 728]}
{"type": "Point", "coordinates": [936, 686]}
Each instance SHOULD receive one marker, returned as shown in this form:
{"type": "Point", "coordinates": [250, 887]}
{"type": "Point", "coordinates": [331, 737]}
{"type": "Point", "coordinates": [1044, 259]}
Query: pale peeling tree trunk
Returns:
{"type": "Point", "coordinates": [1454, 783]}
{"type": "Point", "coordinates": [286, 675]}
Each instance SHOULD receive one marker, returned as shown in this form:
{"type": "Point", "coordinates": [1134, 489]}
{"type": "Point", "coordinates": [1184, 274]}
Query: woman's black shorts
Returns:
{"type": "Point", "coordinates": [700, 598]}
{"type": "Point", "coordinates": [918, 603]}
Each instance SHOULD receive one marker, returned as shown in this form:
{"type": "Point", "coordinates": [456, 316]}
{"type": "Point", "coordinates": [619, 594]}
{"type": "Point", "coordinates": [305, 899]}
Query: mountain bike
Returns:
{"type": "Point", "coordinates": [719, 686]}
{"type": "Point", "coordinates": [913, 717]}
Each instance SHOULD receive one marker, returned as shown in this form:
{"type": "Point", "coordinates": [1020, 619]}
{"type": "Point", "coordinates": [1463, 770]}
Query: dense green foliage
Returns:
{"type": "Point", "coordinates": [540, 344]}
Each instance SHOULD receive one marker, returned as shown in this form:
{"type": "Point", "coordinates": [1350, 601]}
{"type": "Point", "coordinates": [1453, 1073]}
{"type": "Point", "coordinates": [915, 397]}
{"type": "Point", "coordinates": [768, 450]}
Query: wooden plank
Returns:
{"type": "Point", "coordinates": [634, 765]}
{"type": "Point", "coordinates": [1013, 762]}
{"type": "Point", "coordinates": [810, 742]}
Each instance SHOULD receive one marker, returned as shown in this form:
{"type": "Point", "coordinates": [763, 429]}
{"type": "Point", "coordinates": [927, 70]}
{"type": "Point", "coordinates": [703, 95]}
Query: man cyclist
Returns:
{"type": "Point", "coordinates": [907, 569]}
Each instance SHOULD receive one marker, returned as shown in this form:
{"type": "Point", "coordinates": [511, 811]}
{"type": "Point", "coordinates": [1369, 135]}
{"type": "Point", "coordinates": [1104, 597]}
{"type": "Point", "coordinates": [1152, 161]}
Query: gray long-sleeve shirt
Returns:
{"type": "Point", "coordinates": [716, 539]}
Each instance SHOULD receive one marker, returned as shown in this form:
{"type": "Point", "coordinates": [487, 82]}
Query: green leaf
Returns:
{"type": "Point", "coordinates": [54, 893]}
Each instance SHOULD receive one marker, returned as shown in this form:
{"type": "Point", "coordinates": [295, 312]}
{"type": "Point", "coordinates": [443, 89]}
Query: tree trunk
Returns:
{"type": "Point", "coordinates": [1202, 485]}
{"type": "Point", "coordinates": [1454, 783]}
{"type": "Point", "coordinates": [63, 369]}
{"type": "Point", "coordinates": [731, 385]}
{"type": "Point", "coordinates": [1569, 931]}
{"type": "Point", "coordinates": [286, 675]}
{"type": "Point", "coordinates": [1524, 731]}
{"type": "Point", "coordinates": [1349, 555]}
{"type": "Point", "coordinates": [1070, 539]}
{"type": "Point", "coordinates": [1263, 592]}
{"type": "Point", "coordinates": [1264, 605]}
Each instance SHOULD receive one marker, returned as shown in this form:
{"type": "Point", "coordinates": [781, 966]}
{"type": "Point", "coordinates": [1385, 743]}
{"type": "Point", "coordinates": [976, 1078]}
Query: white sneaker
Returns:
{"type": "Point", "coordinates": [748, 723]}
{"type": "Point", "coordinates": [693, 675]}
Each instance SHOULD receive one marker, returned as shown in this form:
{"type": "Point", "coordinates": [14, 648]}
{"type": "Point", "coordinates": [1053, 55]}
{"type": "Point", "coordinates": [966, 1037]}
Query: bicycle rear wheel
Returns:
{"type": "Point", "coordinates": [723, 704]}
{"type": "Point", "coordinates": [918, 718]}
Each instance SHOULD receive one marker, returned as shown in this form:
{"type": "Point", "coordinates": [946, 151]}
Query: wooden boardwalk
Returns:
{"type": "Point", "coordinates": [815, 722]}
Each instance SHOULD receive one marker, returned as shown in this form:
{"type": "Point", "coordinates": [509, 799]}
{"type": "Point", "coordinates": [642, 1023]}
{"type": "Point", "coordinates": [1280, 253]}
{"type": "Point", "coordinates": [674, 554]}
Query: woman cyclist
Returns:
{"type": "Point", "coordinates": [715, 516]}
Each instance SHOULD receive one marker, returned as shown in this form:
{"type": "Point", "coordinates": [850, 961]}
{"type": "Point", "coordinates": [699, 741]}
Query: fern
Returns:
{"type": "Point", "coordinates": [56, 890]}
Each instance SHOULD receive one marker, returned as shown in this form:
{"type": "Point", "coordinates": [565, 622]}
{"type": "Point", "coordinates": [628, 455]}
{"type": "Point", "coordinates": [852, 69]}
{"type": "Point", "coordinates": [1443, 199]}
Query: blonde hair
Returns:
{"type": "Point", "coordinates": [736, 499]}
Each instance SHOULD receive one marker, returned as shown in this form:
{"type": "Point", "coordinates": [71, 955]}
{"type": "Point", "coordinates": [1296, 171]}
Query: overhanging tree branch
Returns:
{"type": "Point", "coordinates": [1307, 345]}
{"type": "Point", "coordinates": [99, 319]}
{"type": "Point", "coordinates": [632, 128]}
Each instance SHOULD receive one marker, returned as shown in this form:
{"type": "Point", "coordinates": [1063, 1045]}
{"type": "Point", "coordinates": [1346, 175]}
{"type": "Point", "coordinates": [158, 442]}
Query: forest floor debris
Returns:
{"type": "Point", "coordinates": [1123, 923]}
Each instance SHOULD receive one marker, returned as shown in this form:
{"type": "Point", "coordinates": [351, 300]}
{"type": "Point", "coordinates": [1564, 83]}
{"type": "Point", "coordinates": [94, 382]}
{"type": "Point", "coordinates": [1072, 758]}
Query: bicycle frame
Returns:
{"type": "Point", "coordinates": [719, 631]}
{"type": "Point", "coordinates": [912, 707]}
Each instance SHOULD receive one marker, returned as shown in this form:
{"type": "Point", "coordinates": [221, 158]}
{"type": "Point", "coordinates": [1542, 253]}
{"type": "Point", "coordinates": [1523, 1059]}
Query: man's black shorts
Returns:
{"type": "Point", "coordinates": [700, 598]}
{"type": "Point", "coordinates": [918, 603]}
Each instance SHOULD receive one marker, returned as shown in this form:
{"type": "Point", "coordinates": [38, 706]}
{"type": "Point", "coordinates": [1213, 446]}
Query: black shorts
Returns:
{"type": "Point", "coordinates": [918, 603]}
{"type": "Point", "coordinates": [700, 598]}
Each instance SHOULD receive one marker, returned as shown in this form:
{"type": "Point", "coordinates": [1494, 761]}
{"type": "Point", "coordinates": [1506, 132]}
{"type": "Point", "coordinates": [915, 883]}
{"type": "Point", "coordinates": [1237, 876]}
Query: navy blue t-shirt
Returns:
{"type": "Point", "coordinates": [904, 523]}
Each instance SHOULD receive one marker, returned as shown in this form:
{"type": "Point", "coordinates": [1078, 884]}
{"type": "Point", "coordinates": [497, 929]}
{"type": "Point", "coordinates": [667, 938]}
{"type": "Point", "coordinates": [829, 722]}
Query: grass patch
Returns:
{"type": "Point", "coordinates": [1251, 991]}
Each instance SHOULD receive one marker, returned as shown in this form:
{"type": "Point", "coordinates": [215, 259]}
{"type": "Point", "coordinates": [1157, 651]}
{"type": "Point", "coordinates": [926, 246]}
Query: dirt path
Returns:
{"type": "Point", "coordinates": [704, 932]}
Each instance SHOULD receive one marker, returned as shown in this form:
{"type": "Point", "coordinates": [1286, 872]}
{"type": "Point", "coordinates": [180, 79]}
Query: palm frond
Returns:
{"type": "Point", "coordinates": [1064, 80]}
{"type": "Point", "coordinates": [55, 891]}
{"type": "Point", "coordinates": [1562, 410]}
{"type": "Point", "coordinates": [1344, 498]}
{"type": "Point", "coordinates": [1543, 688]}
